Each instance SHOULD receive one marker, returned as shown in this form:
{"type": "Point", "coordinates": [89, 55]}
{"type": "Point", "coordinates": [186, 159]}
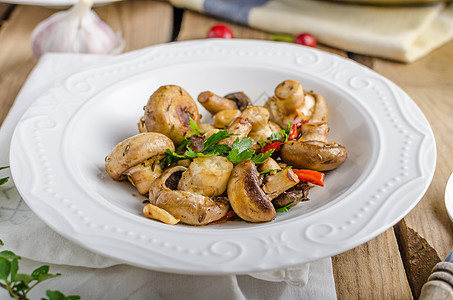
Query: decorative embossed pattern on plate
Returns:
{"type": "Point", "coordinates": [67, 132]}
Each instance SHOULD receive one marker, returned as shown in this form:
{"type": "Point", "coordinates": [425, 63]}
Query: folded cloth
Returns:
{"type": "Point", "coordinates": [402, 33]}
{"type": "Point", "coordinates": [91, 275]}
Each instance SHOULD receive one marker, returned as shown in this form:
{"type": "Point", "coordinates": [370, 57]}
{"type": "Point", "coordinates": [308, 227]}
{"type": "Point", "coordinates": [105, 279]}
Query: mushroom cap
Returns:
{"type": "Point", "coordinates": [247, 198]}
{"type": "Point", "coordinates": [169, 110]}
{"type": "Point", "coordinates": [135, 150]}
{"type": "Point", "coordinates": [207, 176]}
{"type": "Point", "coordinates": [313, 155]}
{"type": "Point", "coordinates": [191, 208]}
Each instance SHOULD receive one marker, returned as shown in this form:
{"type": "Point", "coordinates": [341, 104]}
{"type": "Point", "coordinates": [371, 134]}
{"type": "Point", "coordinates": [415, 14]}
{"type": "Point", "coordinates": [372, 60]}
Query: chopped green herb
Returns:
{"type": "Point", "coordinates": [260, 158]}
{"type": "Point", "coordinates": [184, 144]}
{"type": "Point", "coordinates": [171, 157]}
{"type": "Point", "coordinates": [4, 179]}
{"type": "Point", "coordinates": [194, 127]}
{"type": "Point", "coordinates": [215, 138]}
{"type": "Point", "coordinates": [240, 150]}
{"type": "Point", "coordinates": [282, 135]}
{"type": "Point", "coordinates": [286, 207]}
{"type": "Point", "coordinates": [270, 171]}
{"type": "Point", "coordinates": [19, 285]}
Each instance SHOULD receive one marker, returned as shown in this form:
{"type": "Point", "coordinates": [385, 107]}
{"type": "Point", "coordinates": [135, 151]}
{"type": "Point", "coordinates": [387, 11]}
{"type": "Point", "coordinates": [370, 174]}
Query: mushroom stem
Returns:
{"type": "Point", "coordinates": [214, 103]}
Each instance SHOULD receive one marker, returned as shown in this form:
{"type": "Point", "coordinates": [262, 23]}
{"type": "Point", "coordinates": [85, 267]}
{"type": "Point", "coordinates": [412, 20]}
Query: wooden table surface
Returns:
{"type": "Point", "coordinates": [393, 265]}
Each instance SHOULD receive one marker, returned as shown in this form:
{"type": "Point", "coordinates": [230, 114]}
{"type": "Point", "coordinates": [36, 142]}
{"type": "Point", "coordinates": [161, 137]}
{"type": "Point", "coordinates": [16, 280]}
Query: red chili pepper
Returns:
{"type": "Point", "coordinates": [273, 145]}
{"type": "Point", "coordinates": [227, 217]}
{"type": "Point", "coordinates": [310, 176]}
{"type": "Point", "coordinates": [293, 133]}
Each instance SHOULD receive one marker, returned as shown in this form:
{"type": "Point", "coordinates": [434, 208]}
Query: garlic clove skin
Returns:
{"type": "Point", "coordinates": [77, 30]}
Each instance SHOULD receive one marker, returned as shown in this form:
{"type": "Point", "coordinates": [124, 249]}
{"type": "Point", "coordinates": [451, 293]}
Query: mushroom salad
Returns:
{"type": "Point", "coordinates": [251, 162]}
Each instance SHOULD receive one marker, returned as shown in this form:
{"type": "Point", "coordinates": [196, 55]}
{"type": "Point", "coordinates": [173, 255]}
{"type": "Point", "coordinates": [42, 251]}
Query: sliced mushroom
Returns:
{"type": "Point", "coordinates": [207, 176]}
{"type": "Point", "coordinates": [312, 150]}
{"type": "Point", "coordinates": [240, 128]}
{"type": "Point", "coordinates": [224, 117]}
{"type": "Point", "coordinates": [169, 110]}
{"type": "Point", "coordinates": [259, 118]}
{"type": "Point", "coordinates": [134, 151]}
{"type": "Point", "coordinates": [277, 183]}
{"type": "Point", "coordinates": [293, 104]}
{"type": "Point", "coordinates": [190, 208]}
{"type": "Point", "coordinates": [313, 155]}
{"type": "Point", "coordinates": [247, 199]}
{"type": "Point", "coordinates": [157, 213]}
{"type": "Point", "coordinates": [278, 180]}
{"type": "Point", "coordinates": [214, 103]}
{"type": "Point", "coordinates": [297, 193]}
{"type": "Point", "coordinates": [141, 125]}
{"type": "Point", "coordinates": [206, 127]}
{"type": "Point", "coordinates": [314, 132]}
{"type": "Point", "coordinates": [166, 182]}
{"type": "Point", "coordinates": [269, 164]}
{"type": "Point", "coordinates": [142, 175]}
{"type": "Point", "coordinates": [241, 99]}
{"type": "Point", "coordinates": [290, 96]}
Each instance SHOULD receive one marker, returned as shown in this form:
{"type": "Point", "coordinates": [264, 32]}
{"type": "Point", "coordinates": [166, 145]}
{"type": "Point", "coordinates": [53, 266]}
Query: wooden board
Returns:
{"type": "Point", "coordinates": [142, 23]}
{"type": "Point", "coordinates": [373, 270]}
{"type": "Point", "coordinates": [429, 82]}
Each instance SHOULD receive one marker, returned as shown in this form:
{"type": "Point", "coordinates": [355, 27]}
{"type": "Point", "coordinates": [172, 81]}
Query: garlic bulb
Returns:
{"type": "Point", "coordinates": [77, 30]}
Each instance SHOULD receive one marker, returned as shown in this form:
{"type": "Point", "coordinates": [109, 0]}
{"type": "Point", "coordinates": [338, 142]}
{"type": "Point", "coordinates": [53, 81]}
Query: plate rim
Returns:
{"type": "Point", "coordinates": [183, 46]}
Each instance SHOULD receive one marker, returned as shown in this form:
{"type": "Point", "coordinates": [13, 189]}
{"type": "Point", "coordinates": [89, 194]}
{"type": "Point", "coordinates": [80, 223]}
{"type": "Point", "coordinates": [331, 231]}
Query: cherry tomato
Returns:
{"type": "Point", "coordinates": [220, 31]}
{"type": "Point", "coordinates": [306, 39]}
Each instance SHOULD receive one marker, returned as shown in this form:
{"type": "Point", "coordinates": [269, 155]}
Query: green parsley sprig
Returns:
{"type": "Point", "coordinates": [239, 151]}
{"type": "Point", "coordinates": [4, 179]}
{"type": "Point", "coordinates": [282, 135]}
{"type": "Point", "coordinates": [286, 207]}
{"type": "Point", "coordinates": [18, 284]}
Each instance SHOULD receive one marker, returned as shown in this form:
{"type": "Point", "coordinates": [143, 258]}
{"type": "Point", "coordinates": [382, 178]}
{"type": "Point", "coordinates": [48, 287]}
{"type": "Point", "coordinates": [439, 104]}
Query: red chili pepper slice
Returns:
{"type": "Point", "coordinates": [310, 176]}
{"type": "Point", "coordinates": [273, 145]}
{"type": "Point", "coordinates": [293, 132]}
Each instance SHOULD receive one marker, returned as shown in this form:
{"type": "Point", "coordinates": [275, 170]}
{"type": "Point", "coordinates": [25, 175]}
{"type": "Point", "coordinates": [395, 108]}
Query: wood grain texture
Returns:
{"type": "Point", "coordinates": [4, 11]}
{"type": "Point", "coordinates": [373, 270]}
{"type": "Point", "coordinates": [195, 26]}
{"type": "Point", "coordinates": [143, 23]}
{"type": "Point", "coordinates": [16, 59]}
{"type": "Point", "coordinates": [419, 258]}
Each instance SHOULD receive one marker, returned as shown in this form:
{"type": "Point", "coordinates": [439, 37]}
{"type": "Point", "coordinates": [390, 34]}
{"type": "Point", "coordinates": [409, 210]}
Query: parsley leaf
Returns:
{"type": "Point", "coordinates": [260, 158]}
{"type": "Point", "coordinates": [240, 150]}
{"type": "Point", "coordinates": [286, 207]}
{"type": "Point", "coordinates": [194, 127]}
{"type": "Point", "coordinates": [282, 135]}
{"type": "Point", "coordinates": [270, 170]}
{"type": "Point", "coordinates": [215, 138]}
{"type": "Point", "coordinates": [5, 179]}
{"type": "Point", "coordinates": [184, 144]}
{"type": "Point", "coordinates": [171, 157]}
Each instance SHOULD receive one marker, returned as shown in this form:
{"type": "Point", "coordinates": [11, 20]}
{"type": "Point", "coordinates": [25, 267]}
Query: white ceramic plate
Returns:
{"type": "Point", "coordinates": [58, 150]}
{"type": "Point", "coordinates": [54, 3]}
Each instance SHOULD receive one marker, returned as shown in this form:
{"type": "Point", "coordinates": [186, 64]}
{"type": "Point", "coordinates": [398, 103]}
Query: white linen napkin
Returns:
{"type": "Point", "coordinates": [402, 33]}
{"type": "Point", "coordinates": [91, 275]}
